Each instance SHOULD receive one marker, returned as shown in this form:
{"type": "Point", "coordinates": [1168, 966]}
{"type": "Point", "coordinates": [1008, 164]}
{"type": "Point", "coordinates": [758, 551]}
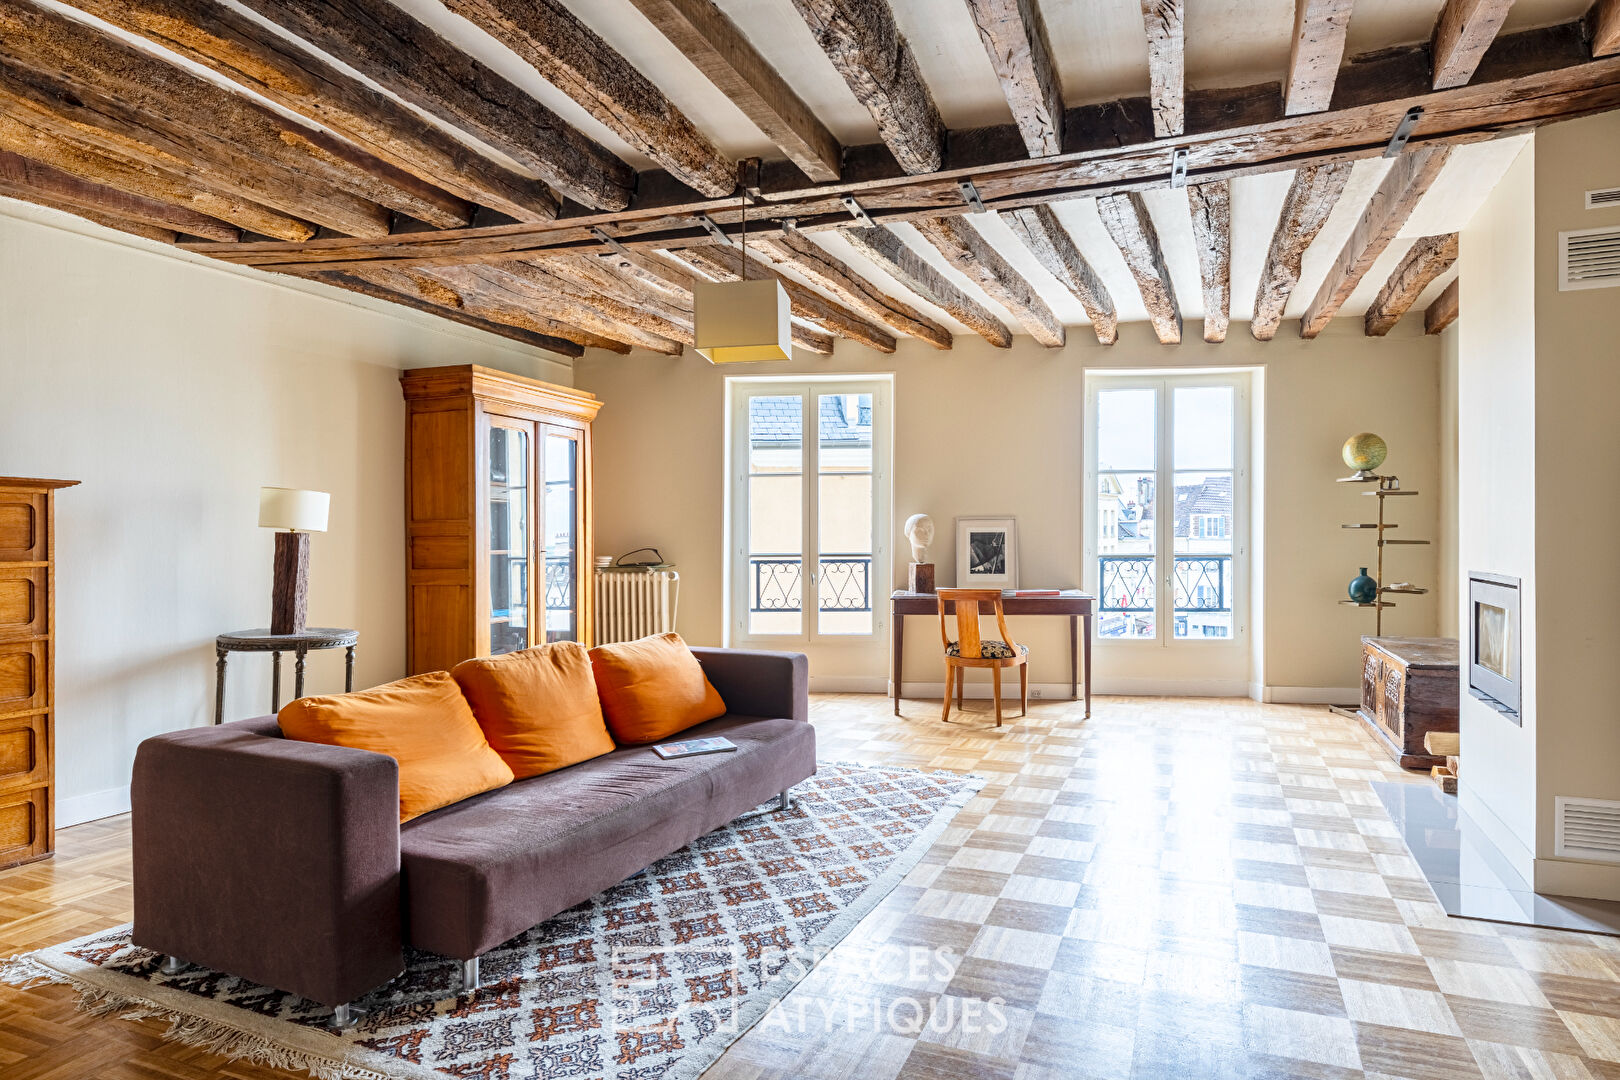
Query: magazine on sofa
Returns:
{"type": "Point", "coordinates": [694, 747]}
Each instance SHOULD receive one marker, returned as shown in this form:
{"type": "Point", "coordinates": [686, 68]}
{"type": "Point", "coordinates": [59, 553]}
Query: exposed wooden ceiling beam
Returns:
{"type": "Point", "coordinates": [24, 178]}
{"type": "Point", "coordinates": [1167, 64]}
{"type": "Point", "coordinates": [1443, 312]}
{"type": "Point", "coordinates": [1211, 207]}
{"type": "Point", "coordinates": [834, 276]}
{"type": "Point", "coordinates": [1311, 198]}
{"type": "Point", "coordinates": [1041, 231]}
{"type": "Point", "coordinates": [897, 260]}
{"type": "Point", "coordinates": [1464, 31]}
{"type": "Point", "coordinates": [1536, 76]}
{"type": "Point", "coordinates": [724, 263]}
{"type": "Point", "coordinates": [1127, 220]}
{"type": "Point", "coordinates": [965, 248]}
{"type": "Point", "coordinates": [107, 220]}
{"type": "Point", "coordinates": [862, 41]}
{"type": "Point", "coordinates": [1603, 22]}
{"type": "Point", "coordinates": [574, 285]}
{"type": "Point", "coordinates": [125, 99]}
{"type": "Point", "coordinates": [219, 37]}
{"type": "Point", "coordinates": [502, 310]}
{"type": "Point", "coordinates": [573, 58]}
{"type": "Point", "coordinates": [1317, 49]}
{"type": "Point", "coordinates": [508, 285]}
{"type": "Point", "coordinates": [391, 48]}
{"type": "Point", "coordinates": [91, 164]}
{"type": "Point", "coordinates": [358, 284]}
{"type": "Point", "coordinates": [1428, 259]}
{"type": "Point", "coordinates": [705, 36]}
{"type": "Point", "coordinates": [1408, 178]}
{"type": "Point", "coordinates": [1014, 36]}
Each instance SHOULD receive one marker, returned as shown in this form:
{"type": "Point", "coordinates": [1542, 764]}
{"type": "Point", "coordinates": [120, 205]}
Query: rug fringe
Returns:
{"type": "Point", "coordinates": [24, 973]}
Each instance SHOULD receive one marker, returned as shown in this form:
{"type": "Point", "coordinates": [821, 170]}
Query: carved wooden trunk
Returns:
{"type": "Point", "coordinates": [1409, 687]}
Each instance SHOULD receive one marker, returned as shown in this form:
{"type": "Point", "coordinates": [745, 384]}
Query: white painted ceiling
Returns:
{"type": "Point", "coordinates": [1101, 54]}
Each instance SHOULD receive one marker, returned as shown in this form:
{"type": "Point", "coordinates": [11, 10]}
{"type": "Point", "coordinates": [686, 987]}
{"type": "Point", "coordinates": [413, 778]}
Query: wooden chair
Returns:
{"type": "Point", "coordinates": [969, 650]}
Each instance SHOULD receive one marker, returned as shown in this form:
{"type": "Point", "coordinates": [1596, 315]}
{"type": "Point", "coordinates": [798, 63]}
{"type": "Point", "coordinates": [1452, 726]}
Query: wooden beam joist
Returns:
{"type": "Point", "coordinates": [1428, 259]}
{"type": "Point", "coordinates": [711, 41]}
{"type": "Point", "coordinates": [1408, 178]}
{"type": "Point", "coordinates": [1167, 64]}
{"type": "Point", "coordinates": [508, 285]}
{"type": "Point", "coordinates": [1127, 220]}
{"type": "Point", "coordinates": [1041, 231]}
{"type": "Point", "coordinates": [1311, 197]}
{"type": "Point", "coordinates": [862, 41]}
{"type": "Point", "coordinates": [832, 275]}
{"type": "Point", "coordinates": [570, 56]}
{"type": "Point", "coordinates": [357, 284]}
{"type": "Point", "coordinates": [1529, 78]}
{"type": "Point", "coordinates": [501, 310]}
{"type": "Point", "coordinates": [725, 263]}
{"type": "Point", "coordinates": [1603, 23]}
{"type": "Point", "coordinates": [568, 281]}
{"type": "Point", "coordinates": [126, 101]}
{"type": "Point", "coordinates": [1317, 49]}
{"type": "Point", "coordinates": [218, 37]}
{"type": "Point", "coordinates": [106, 220]}
{"type": "Point", "coordinates": [1463, 32]}
{"type": "Point", "coordinates": [1014, 36]}
{"type": "Point", "coordinates": [1211, 207]}
{"type": "Point", "coordinates": [1443, 312]}
{"type": "Point", "coordinates": [896, 259]}
{"type": "Point", "coordinates": [24, 178]}
{"type": "Point", "coordinates": [965, 248]}
{"type": "Point", "coordinates": [391, 48]}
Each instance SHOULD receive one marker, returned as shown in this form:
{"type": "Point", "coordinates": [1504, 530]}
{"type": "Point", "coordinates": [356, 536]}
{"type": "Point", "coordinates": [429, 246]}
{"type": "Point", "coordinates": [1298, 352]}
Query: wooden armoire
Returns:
{"type": "Point", "coordinates": [27, 668]}
{"type": "Point", "coordinates": [498, 552]}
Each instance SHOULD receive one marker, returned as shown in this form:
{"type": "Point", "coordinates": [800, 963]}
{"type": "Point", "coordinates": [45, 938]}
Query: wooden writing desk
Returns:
{"type": "Point", "coordinates": [1071, 602]}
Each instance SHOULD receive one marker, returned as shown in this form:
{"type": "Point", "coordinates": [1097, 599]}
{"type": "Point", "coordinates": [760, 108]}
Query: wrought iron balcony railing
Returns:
{"type": "Point", "coordinates": [559, 583]}
{"type": "Point", "coordinates": [1202, 583]}
{"type": "Point", "coordinates": [845, 585]}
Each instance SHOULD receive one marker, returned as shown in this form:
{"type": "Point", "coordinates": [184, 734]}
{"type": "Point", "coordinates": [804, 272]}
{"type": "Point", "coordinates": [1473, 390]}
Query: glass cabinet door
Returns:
{"type": "Point", "coordinates": [510, 536]}
{"type": "Point", "coordinates": [560, 509]}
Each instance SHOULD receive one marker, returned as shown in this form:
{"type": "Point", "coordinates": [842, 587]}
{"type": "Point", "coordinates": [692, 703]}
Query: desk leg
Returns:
{"type": "Point", "coordinates": [348, 670]}
{"type": "Point", "coordinates": [1074, 658]}
{"type": "Point", "coordinates": [899, 656]}
{"type": "Point", "coordinates": [219, 687]}
{"type": "Point", "coordinates": [275, 681]}
{"type": "Point", "coordinates": [298, 682]}
{"type": "Point", "coordinates": [1086, 645]}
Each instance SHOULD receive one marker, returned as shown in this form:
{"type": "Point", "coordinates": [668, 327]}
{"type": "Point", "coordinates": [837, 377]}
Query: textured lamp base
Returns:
{"type": "Point", "coordinates": [289, 597]}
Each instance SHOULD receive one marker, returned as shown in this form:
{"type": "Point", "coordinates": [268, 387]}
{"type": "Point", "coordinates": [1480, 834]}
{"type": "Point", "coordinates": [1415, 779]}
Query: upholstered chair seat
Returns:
{"type": "Point", "coordinates": [990, 649]}
{"type": "Point", "coordinates": [971, 650]}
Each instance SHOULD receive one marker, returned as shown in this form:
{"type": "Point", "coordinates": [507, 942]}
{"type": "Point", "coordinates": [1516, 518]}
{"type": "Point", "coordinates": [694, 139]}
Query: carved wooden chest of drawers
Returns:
{"type": "Point", "coordinates": [1409, 687]}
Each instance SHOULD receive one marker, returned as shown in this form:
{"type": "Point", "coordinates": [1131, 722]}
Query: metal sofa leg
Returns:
{"type": "Point", "coordinates": [469, 974]}
{"type": "Point", "coordinates": [783, 801]}
{"type": "Point", "coordinates": [345, 1016]}
{"type": "Point", "coordinates": [172, 965]}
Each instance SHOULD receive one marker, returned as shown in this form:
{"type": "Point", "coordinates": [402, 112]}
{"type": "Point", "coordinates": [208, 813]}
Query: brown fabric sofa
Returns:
{"type": "Point", "coordinates": [284, 862]}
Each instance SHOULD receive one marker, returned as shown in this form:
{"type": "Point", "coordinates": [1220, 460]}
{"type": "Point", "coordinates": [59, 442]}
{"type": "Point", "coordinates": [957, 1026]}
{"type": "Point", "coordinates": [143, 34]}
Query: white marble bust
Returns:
{"type": "Point", "coordinates": [920, 531]}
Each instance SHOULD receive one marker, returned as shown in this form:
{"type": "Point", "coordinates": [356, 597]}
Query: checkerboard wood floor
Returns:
{"type": "Point", "coordinates": [1174, 888]}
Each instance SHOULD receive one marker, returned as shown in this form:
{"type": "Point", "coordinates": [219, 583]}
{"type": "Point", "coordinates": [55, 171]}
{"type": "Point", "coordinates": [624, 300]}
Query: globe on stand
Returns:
{"type": "Point", "coordinates": [1364, 453]}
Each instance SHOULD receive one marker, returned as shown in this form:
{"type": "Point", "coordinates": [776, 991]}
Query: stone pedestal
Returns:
{"type": "Point", "coordinates": [921, 578]}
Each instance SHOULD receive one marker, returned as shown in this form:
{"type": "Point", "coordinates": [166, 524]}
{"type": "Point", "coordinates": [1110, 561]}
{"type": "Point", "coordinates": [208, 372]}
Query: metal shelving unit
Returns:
{"type": "Point", "coordinates": [1388, 488]}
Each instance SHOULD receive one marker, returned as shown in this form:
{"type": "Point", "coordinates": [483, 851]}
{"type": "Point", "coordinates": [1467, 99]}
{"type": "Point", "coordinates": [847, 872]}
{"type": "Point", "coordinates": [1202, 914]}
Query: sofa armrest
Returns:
{"type": "Point", "coordinates": [270, 859]}
{"type": "Point", "coordinates": [758, 683]}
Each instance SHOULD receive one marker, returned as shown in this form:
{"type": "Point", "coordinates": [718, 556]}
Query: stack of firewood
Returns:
{"type": "Point", "coordinates": [1446, 744]}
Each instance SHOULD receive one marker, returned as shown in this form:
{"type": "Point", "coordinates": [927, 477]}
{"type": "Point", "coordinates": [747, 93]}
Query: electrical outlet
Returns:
{"type": "Point", "coordinates": [1035, 692]}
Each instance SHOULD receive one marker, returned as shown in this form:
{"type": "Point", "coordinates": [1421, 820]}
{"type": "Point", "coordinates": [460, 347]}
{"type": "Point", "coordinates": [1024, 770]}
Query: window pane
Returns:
{"type": "Point", "coordinates": [844, 514]}
{"type": "Point", "coordinates": [775, 513]}
{"type": "Point", "coordinates": [562, 493]}
{"type": "Point", "coordinates": [1203, 427]}
{"type": "Point", "coordinates": [1125, 563]}
{"type": "Point", "coordinates": [1203, 551]}
{"type": "Point", "coordinates": [1125, 423]}
{"type": "Point", "coordinates": [508, 540]}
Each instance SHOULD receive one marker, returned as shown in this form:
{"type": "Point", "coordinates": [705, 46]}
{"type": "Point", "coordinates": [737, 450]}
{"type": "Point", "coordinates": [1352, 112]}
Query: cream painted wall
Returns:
{"type": "Point", "coordinates": [1496, 453]}
{"type": "Point", "coordinates": [173, 388]}
{"type": "Point", "coordinates": [1577, 503]}
{"type": "Point", "coordinates": [986, 431]}
{"type": "Point", "coordinates": [1445, 537]}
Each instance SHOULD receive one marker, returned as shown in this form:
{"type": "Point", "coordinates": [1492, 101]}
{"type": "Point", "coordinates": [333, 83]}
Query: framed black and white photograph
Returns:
{"type": "Point", "coordinates": [986, 552]}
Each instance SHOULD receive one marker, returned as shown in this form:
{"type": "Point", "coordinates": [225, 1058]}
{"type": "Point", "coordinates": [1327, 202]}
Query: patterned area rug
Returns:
{"type": "Point", "coordinates": [650, 980]}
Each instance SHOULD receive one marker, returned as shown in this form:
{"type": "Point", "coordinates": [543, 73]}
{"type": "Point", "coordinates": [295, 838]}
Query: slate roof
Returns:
{"type": "Point", "coordinates": [1212, 496]}
{"type": "Point", "coordinates": [778, 420]}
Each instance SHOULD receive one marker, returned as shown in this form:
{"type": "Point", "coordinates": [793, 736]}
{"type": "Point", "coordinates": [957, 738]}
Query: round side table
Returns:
{"type": "Point", "coordinates": [262, 640]}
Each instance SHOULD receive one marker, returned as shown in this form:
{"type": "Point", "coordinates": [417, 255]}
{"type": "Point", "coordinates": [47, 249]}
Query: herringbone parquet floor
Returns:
{"type": "Point", "coordinates": [1174, 888]}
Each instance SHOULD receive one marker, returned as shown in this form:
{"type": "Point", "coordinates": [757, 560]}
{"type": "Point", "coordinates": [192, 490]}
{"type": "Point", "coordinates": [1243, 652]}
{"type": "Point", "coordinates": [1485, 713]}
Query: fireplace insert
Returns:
{"type": "Point", "coordinates": [1494, 643]}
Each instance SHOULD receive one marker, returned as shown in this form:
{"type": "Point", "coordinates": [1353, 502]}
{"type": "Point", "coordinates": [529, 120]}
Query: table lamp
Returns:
{"type": "Point", "coordinates": [297, 513]}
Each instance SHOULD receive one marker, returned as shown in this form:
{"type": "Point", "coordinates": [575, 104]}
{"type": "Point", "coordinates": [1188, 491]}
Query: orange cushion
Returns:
{"type": "Point", "coordinates": [421, 722]}
{"type": "Point", "coordinates": [652, 688]}
{"type": "Point", "coordinates": [538, 707]}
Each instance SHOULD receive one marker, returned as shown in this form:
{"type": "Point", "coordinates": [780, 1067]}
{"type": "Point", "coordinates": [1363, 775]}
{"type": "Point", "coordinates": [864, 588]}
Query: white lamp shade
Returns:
{"type": "Point", "coordinates": [738, 321]}
{"type": "Point", "coordinates": [291, 508]}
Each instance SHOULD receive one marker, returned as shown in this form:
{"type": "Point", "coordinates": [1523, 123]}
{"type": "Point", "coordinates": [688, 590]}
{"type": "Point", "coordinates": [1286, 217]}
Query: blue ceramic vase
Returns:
{"type": "Point", "coordinates": [1363, 589]}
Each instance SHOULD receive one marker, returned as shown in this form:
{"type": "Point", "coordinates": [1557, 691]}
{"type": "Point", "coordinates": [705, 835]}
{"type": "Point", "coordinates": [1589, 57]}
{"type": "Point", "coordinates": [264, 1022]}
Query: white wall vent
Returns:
{"type": "Point", "coordinates": [1586, 829]}
{"type": "Point", "coordinates": [1589, 259]}
{"type": "Point", "coordinates": [1603, 198]}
